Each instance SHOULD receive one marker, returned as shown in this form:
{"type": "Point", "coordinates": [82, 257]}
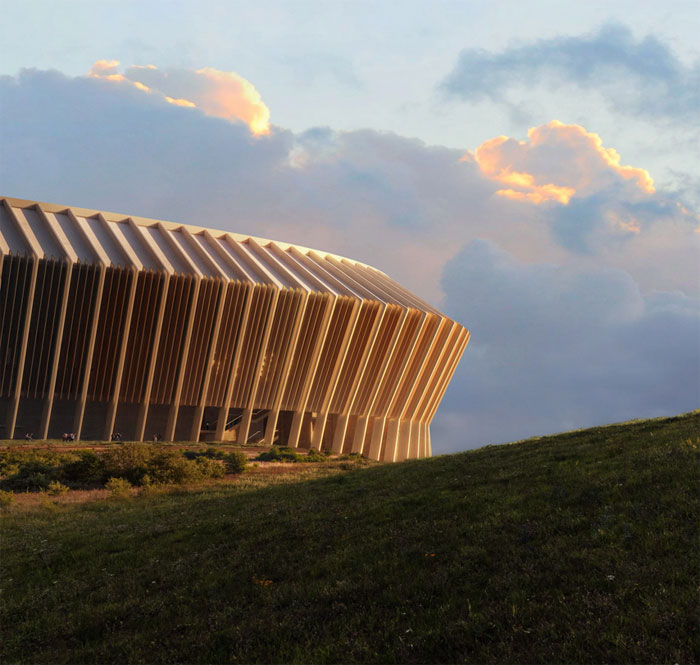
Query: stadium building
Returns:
{"type": "Point", "coordinates": [111, 323]}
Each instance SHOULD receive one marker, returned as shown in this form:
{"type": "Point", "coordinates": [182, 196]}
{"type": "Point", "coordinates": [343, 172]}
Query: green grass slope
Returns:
{"type": "Point", "coordinates": [577, 548]}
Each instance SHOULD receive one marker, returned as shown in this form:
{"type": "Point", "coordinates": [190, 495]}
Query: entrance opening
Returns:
{"type": "Point", "coordinates": [284, 428]}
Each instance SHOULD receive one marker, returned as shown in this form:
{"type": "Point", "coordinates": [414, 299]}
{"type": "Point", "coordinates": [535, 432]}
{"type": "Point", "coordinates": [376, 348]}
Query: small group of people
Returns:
{"type": "Point", "coordinates": [29, 436]}
{"type": "Point", "coordinates": [117, 436]}
{"type": "Point", "coordinates": [68, 436]}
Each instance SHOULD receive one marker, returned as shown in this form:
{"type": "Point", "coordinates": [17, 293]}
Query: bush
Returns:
{"type": "Point", "coordinates": [352, 457]}
{"type": "Point", "coordinates": [276, 454]}
{"type": "Point", "coordinates": [172, 467]}
{"type": "Point", "coordinates": [31, 470]}
{"type": "Point", "coordinates": [209, 468]}
{"type": "Point", "coordinates": [119, 488]}
{"type": "Point", "coordinates": [129, 461]}
{"type": "Point", "coordinates": [56, 488]}
{"type": "Point", "coordinates": [208, 453]}
{"type": "Point", "coordinates": [236, 462]}
{"type": "Point", "coordinates": [6, 499]}
{"type": "Point", "coordinates": [137, 463]}
{"type": "Point", "coordinates": [150, 488]}
{"type": "Point", "coordinates": [88, 470]}
{"type": "Point", "coordinates": [32, 481]}
{"type": "Point", "coordinates": [8, 469]}
{"type": "Point", "coordinates": [142, 463]}
{"type": "Point", "coordinates": [214, 453]}
{"type": "Point", "coordinates": [315, 456]}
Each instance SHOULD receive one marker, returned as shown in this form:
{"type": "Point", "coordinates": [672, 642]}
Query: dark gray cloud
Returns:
{"type": "Point", "coordinates": [642, 77]}
{"type": "Point", "coordinates": [585, 224]}
{"type": "Point", "coordinates": [556, 348]}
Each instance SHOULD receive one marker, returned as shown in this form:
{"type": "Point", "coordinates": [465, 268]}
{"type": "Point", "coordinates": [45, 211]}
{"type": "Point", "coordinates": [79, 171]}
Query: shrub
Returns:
{"type": "Point", "coordinates": [214, 453]}
{"type": "Point", "coordinates": [276, 454]}
{"type": "Point", "coordinates": [171, 467]}
{"type": "Point", "coordinates": [209, 468]}
{"type": "Point", "coordinates": [6, 499]}
{"type": "Point", "coordinates": [129, 461]}
{"type": "Point", "coordinates": [119, 488]}
{"type": "Point", "coordinates": [8, 469]}
{"type": "Point", "coordinates": [314, 456]}
{"type": "Point", "coordinates": [236, 462]}
{"type": "Point", "coordinates": [31, 470]}
{"type": "Point", "coordinates": [32, 481]}
{"type": "Point", "coordinates": [88, 470]}
{"type": "Point", "coordinates": [151, 489]}
{"type": "Point", "coordinates": [56, 488]}
{"type": "Point", "coordinates": [353, 457]}
{"type": "Point", "coordinates": [208, 453]}
{"type": "Point", "coordinates": [137, 463]}
{"type": "Point", "coordinates": [142, 463]}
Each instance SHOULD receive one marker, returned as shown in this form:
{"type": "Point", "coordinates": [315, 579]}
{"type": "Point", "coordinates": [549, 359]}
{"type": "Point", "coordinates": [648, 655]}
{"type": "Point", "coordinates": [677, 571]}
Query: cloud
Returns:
{"type": "Point", "coordinates": [638, 77]}
{"type": "Point", "coordinates": [385, 199]}
{"type": "Point", "coordinates": [218, 94]}
{"type": "Point", "coordinates": [108, 145]}
{"type": "Point", "coordinates": [594, 334]}
{"type": "Point", "coordinates": [567, 155]}
{"type": "Point", "coordinates": [556, 348]}
{"type": "Point", "coordinates": [592, 203]}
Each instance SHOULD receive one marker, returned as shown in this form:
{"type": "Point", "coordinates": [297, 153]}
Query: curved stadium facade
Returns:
{"type": "Point", "coordinates": [115, 323]}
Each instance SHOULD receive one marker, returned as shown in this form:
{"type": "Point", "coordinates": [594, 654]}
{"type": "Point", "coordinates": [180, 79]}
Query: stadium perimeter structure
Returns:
{"type": "Point", "coordinates": [117, 323]}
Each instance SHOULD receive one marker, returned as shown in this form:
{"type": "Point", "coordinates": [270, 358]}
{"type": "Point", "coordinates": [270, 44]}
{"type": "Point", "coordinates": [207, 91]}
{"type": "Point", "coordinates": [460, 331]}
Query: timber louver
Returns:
{"type": "Point", "coordinates": [114, 323]}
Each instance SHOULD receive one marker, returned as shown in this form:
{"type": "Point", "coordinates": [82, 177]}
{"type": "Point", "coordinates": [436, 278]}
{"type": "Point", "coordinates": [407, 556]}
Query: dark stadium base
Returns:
{"type": "Point", "coordinates": [339, 434]}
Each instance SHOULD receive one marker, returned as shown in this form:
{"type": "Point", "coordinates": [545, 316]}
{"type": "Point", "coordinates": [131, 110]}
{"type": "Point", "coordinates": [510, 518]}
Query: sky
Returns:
{"type": "Point", "coordinates": [530, 168]}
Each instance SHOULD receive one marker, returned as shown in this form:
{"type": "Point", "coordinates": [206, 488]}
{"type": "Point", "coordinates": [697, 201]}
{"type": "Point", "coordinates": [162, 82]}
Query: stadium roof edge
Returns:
{"type": "Point", "coordinates": [172, 226]}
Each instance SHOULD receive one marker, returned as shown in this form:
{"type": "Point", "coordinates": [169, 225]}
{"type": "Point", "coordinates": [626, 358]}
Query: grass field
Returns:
{"type": "Point", "coordinates": [576, 548]}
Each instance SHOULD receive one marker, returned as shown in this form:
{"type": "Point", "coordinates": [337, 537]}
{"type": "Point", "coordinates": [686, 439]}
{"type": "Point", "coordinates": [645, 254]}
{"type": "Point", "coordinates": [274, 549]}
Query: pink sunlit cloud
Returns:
{"type": "Point", "coordinates": [555, 163]}
{"type": "Point", "coordinates": [216, 93]}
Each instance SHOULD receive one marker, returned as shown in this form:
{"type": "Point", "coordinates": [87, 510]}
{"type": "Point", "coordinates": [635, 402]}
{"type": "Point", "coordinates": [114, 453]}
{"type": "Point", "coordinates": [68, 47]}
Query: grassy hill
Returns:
{"type": "Point", "coordinates": [577, 548]}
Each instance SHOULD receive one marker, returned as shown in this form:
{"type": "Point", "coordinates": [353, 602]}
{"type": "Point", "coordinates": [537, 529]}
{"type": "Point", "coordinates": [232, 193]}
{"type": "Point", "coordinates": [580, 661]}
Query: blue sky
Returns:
{"type": "Point", "coordinates": [529, 167]}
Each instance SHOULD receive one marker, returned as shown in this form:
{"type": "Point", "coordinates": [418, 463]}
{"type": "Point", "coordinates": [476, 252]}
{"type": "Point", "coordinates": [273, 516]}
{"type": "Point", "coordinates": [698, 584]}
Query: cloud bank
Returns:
{"type": "Point", "coordinates": [556, 348]}
{"type": "Point", "coordinates": [637, 77]}
{"type": "Point", "coordinates": [583, 308]}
